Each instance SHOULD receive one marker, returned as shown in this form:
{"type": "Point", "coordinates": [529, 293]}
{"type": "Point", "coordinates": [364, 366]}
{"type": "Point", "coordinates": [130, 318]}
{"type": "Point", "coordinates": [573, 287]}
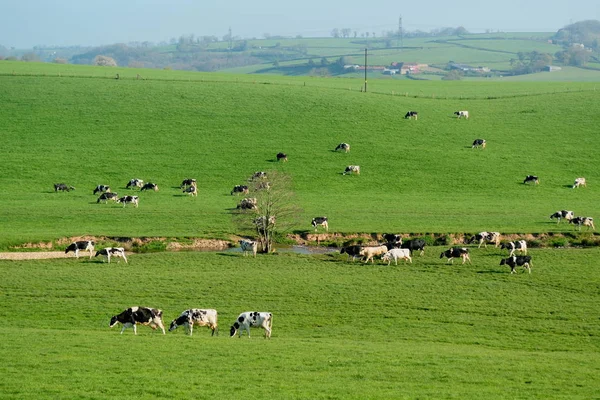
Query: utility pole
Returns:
{"type": "Point", "coordinates": [365, 70]}
{"type": "Point", "coordinates": [400, 34]}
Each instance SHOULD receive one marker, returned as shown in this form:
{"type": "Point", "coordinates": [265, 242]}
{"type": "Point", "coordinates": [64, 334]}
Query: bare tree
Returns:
{"type": "Point", "coordinates": [105, 61]}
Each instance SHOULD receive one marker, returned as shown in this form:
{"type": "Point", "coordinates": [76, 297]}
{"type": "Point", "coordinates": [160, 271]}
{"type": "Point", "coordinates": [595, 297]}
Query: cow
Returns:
{"type": "Point", "coordinates": [61, 187]}
{"type": "Point", "coordinates": [85, 245]}
{"type": "Point", "coordinates": [343, 146]}
{"type": "Point", "coordinates": [102, 189]}
{"type": "Point", "coordinates": [411, 114]}
{"type": "Point", "coordinates": [187, 182]}
{"type": "Point", "coordinates": [281, 157]}
{"type": "Point", "coordinates": [129, 199]}
{"type": "Point", "coordinates": [514, 261]}
{"type": "Point", "coordinates": [563, 214]}
{"type": "Point", "coordinates": [462, 114]}
{"type": "Point", "coordinates": [352, 251]}
{"type": "Point", "coordinates": [583, 221]}
{"type": "Point", "coordinates": [249, 246]}
{"type": "Point", "coordinates": [579, 182]}
{"type": "Point", "coordinates": [258, 175]}
{"type": "Point", "coordinates": [485, 238]}
{"type": "Point", "coordinates": [191, 190]}
{"type": "Point", "coordinates": [239, 189]}
{"type": "Point", "coordinates": [456, 252]}
{"type": "Point", "coordinates": [372, 251]}
{"type": "Point", "coordinates": [107, 196]}
{"type": "Point", "coordinates": [414, 244]}
{"type": "Point", "coordinates": [252, 319]}
{"type": "Point", "coordinates": [109, 252]}
{"type": "Point", "coordinates": [531, 178]}
{"type": "Point", "coordinates": [479, 143]}
{"type": "Point", "coordinates": [519, 245]}
{"type": "Point", "coordinates": [395, 254]}
{"type": "Point", "coordinates": [151, 317]}
{"type": "Point", "coordinates": [350, 169]}
{"type": "Point", "coordinates": [196, 316]}
{"type": "Point", "coordinates": [134, 183]}
{"type": "Point", "coordinates": [320, 221]}
{"type": "Point", "coordinates": [392, 238]}
{"type": "Point", "coordinates": [150, 186]}
{"type": "Point", "coordinates": [248, 203]}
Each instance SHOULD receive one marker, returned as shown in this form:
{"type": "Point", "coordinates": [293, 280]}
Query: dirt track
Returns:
{"type": "Point", "coordinates": [34, 255]}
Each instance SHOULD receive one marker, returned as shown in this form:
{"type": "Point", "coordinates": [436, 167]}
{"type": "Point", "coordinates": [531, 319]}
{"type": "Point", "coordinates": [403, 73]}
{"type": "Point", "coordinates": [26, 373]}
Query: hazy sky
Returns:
{"type": "Point", "coordinates": [26, 23]}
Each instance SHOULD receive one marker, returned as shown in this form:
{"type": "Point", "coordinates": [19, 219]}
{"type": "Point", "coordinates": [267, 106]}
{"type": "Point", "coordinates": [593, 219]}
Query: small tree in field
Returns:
{"type": "Point", "coordinates": [275, 213]}
{"type": "Point", "coordinates": [105, 61]}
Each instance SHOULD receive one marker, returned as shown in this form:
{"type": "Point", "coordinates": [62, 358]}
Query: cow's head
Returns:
{"type": "Point", "coordinates": [113, 321]}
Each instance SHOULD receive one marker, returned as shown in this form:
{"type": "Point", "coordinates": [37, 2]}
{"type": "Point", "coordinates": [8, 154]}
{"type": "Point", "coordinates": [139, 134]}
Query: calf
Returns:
{"type": "Point", "coordinates": [372, 251]}
{"type": "Point", "coordinates": [395, 254]}
{"type": "Point", "coordinates": [568, 215]}
{"type": "Point", "coordinates": [249, 246]}
{"type": "Point", "coordinates": [139, 315]}
{"type": "Point", "coordinates": [239, 189]}
{"type": "Point", "coordinates": [85, 245]}
{"type": "Point", "coordinates": [462, 114]}
{"type": "Point", "coordinates": [456, 252]}
{"type": "Point", "coordinates": [531, 178]}
{"type": "Point", "coordinates": [191, 190]}
{"type": "Point", "coordinates": [107, 196]}
{"type": "Point", "coordinates": [352, 251]}
{"type": "Point", "coordinates": [520, 245]}
{"type": "Point", "coordinates": [579, 182]}
{"type": "Point", "coordinates": [134, 183]}
{"type": "Point", "coordinates": [129, 199]}
{"type": "Point", "coordinates": [196, 316]}
{"type": "Point", "coordinates": [343, 146]}
{"type": "Point", "coordinates": [350, 169]}
{"type": "Point", "coordinates": [150, 186]}
{"type": "Point", "coordinates": [320, 221]}
{"type": "Point", "coordinates": [187, 182]}
{"type": "Point", "coordinates": [514, 261]}
{"type": "Point", "coordinates": [281, 157]}
{"type": "Point", "coordinates": [61, 187]}
{"type": "Point", "coordinates": [248, 203]}
{"type": "Point", "coordinates": [109, 252]}
{"type": "Point", "coordinates": [583, 221]}
{"type": "Point", "coordinates": [414, 244]}
{"type": "Point", "coordinates": [479, 143]}
{"type": "Point", "coordinates": [102, 189]}
{"type": "Point", "coordinates": [411, 114]}
{"type": "Point", "coordinates": [485, 238]}
{"type": "Point", "coordinates": [252, 319]}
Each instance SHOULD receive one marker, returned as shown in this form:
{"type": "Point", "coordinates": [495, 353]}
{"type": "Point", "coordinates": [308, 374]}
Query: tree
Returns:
{"type": "Point", "coordinates": [105, 61]}
{"type": "Point", "coordinates": [335, 33]}
{"type": "Point", "coordinates": [346, 32]}
{"type": "Point", "coordinates": [275, 210]}
{"type": "Point", "coordinates": [30, 57]}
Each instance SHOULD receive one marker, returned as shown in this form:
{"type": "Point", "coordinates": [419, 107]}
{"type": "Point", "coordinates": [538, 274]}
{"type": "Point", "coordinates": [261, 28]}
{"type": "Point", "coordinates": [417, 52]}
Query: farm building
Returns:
{"type": "Point", "coordinates": [551, 68]}
{"type": "Point", "coordinates": [466, 68]}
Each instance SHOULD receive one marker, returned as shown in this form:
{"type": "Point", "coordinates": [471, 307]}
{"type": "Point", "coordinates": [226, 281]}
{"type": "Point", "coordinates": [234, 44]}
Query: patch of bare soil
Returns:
{"type": "Point", "coordinates": [33, 255]}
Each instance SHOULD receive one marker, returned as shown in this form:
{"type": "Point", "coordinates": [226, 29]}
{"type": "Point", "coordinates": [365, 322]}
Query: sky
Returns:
{"type": "Point", "coordinates": [28, 23]}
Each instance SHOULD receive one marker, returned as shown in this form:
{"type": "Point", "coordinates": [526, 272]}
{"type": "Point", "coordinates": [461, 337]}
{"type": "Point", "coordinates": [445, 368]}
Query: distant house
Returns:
{"type": "Point", "coordinates": [467, 68]}
{"type": "Point", "coordinates": [390, 71]}
{"type": "Point", "coordinates": [551, 68]}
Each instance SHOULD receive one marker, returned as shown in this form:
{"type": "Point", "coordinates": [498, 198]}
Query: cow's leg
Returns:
{"type": "Point", "coordinates": [191, 328]}
{"type": "Point", "coordinates": [76, 252]}
{"type": "Point", "coordinates": [409, 259]}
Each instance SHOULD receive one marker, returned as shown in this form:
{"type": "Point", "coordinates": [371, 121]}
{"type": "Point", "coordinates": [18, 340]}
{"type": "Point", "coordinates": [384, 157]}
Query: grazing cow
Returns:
{"type": "Point", "coordinates": [248, 203]}
{"type": "Point", "coordinates": [61, 187]}
{"type": "Point", "coordinates": [583, 221]}
{"type": "Point", "coordinates": [392, 238]}
{"type": "Point", "coordinates": [102, 189]}
{"type": "Point", "coordinates": [343, 146]}
{"type": "Point", "coordinates": [129, 199]}
{"type": "Point", "coordinates": [258, 175]}
{"type": "Point", "coordinates": [352, 251]}
{"type": "Point", "coordinates": [350, 169]}
{"type": "Point", "coordinates": [249, 246]}
{"type": "Point", "coordinates": [109, 252]}
{"type": "Point", "coordinates": [372, 251]}
{"type": "Point", "coordinates": [395, 254]}
{"type": "Point", "coordinates": [462, 114]}
{"type": "Point", "coordinates": [196, 316]}
{"type": "Point", "coordinates": [579, 182]}
{"type": "Point", "coordinates": [264, 185]}
{"type": "Point", "coordinates": [134, 183]}
{"type": "Point", "coordinates": [568, 215]}
{"type": "Point", "coordinates": [485, 238]}
{"type": "Point", "coordinates": [150, 186]}
{"type": "Point", "coordinates": [85, 245]}
{"type": "Point", "coordinates": [252, 319]}
{"type": "Point", "coordinates": [107, 196]}
{"type": "Point", "coordinates": [456, 252]}
{"type": "Point", "coordinates": [151, 317]}
{"type": "Point", "coordinates": [514, 261]}
{"type": "Point", "coordinates": [479, 143]}
{"type": "Point", "coordinates": [239, 189]}
{"type": "Point", "coordinates": [282, 157]}
{"type": "Point", "coordinates": [411, 114]}
{"type": "Point", "coordinates": [519, 245]}
{"type": "Point", "coordinates": [414, 244]}
{"type": "Point", "coordinates": [187, 182]}
{"type": "Point", "coordinates": [320, 221]}
{"type": "Point", "coordinates": [191, 190]}
{"type": "Point", "coordinates": [531, 178]}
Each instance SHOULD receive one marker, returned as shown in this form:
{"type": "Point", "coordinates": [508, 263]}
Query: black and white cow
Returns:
{"type": "Point", "coordinates": [411, 114]}
{"type": "Point", "coordinates": [61, 187]}
{"type": "Point", "coordinates": [320, 221]}
{"type": "Point", "coordinates": [85, 245]}
{"type": "Point", "coordinates": [462, 114]}
{"type": "Point", "coordinates": [579, 182]}
{"type": "Point", "coordinates": [456, 252]}
{"type": "Point", "coordinates": [531, 178]}
{"type": "Point", "coordinates": [352, 251]}
{"type": "Point", "coordinates": [187, 182]}
{"type": "Point", "coordinates": [392, 238]}
{"type": "Point", "coordinates": [196, 316]}
{"type": "Point", "coordinates": [191, 190]}
{"type": "Point", "coordinates": [129, 199]}
{"type": "Point", "coordinates": [414, 244]}
{"type": "Point", "coordinates": [133, 316]}
{"type": "Point", "coordinates": [352, 169]}
{"type": "Point", "coordinates": [133, 183]}
{"type": "Point", "coordinates": [102, 189]}
{"type": "Point", "coordinates": [343, 146]}
{"type": "Point", "coordinates": [583, 221]}
{"type": "Point", "coordinates": [563, 214]}
{"type": "Point", "coordinates": [519, 245]}
{"type": "Point", "coordinates": [150, 186]}
{"type": "Point", "coordinates": [252, 319]}
{"type": "Point", "coordinates": [514, 261]}
{"type": "Point", "coordinates": [248, 203]}
{"type": "Point", "coordinates": [485, 238]}
{"type": "Point", "coordinates": [109, 252]}
{"type": "Point", "coordinates": [249, 246]}
{"type": "Point", "coordinates": [107, 196]}
{"type": "Point", "coordinates": [258, 175]}
{"type": "Point", "coordinates": [237, 189]}
{"type": "Point", "coordinates": [281, 157]}
{"type": "Point", "coordinates": [479, 143]}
